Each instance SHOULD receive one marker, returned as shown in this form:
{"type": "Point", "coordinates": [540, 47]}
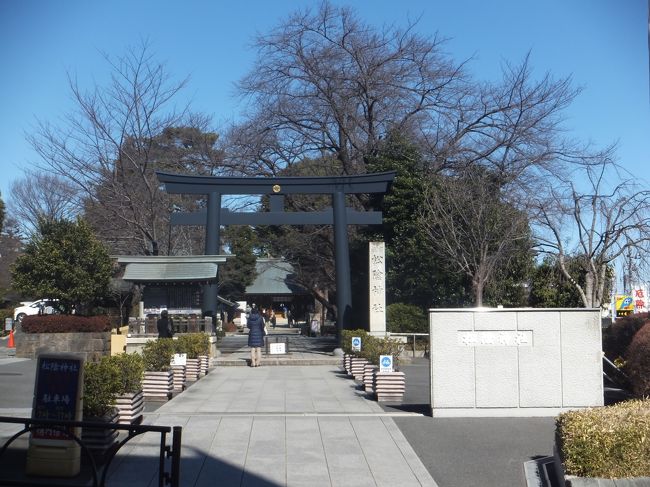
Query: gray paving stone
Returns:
{"type": "Point", "coordinates": [280, 426]}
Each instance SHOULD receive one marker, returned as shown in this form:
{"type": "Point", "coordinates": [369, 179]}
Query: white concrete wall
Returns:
{"type": "Point", "coordinates": [514, 362]}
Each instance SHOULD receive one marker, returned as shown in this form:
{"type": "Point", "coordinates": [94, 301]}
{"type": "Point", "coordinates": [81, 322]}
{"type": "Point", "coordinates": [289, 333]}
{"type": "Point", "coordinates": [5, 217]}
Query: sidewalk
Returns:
{"type": "Point", "coordinates": [280, 426]}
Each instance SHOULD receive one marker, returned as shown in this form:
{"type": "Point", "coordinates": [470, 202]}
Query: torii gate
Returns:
{"type": "Point", "coordinates": [276, 187]}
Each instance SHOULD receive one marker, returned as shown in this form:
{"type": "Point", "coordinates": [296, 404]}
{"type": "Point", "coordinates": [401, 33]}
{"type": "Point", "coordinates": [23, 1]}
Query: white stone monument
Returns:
{"type": "Point", "coordinates": [377, 287]}
{"type": "Point", "coordinates": [514, 362]}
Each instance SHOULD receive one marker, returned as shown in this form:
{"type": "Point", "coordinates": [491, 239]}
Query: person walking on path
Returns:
{"type": "Point", "coordinates": [255, 336]}
{"type": "Point", "coordinates": [165, 325]}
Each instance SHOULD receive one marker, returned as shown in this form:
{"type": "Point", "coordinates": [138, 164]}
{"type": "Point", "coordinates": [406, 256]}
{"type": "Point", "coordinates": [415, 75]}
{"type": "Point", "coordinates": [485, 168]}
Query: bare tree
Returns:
{"type": "Point", "coordinates": [326, 84]}
{"type": "Point", "coordinates": [110, 147]}
{"type": "Point", "coordinates": [597, 216]}
{"type": "Point", "coordinates": [472, 227]}
{"type": "Point", "coordinates": [41, 195]}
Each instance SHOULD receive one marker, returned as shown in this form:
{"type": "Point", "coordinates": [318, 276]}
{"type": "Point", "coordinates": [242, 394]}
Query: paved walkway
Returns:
{"type": "Point", "coordinates": [279, 426]}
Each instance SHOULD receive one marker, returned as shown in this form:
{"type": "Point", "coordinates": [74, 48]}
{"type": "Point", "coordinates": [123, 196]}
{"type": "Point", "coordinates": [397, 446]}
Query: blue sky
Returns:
{"type": "Point", "coordinates": [602, 44]}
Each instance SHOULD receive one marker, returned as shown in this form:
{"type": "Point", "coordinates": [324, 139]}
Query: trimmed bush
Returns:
{"type": "Point", "coordinates": [406, 318]}
{"type": "Point", "coordinates": [65, 324]}
{"type": "Point", "coordinates": [101, 386]}
{"type": "Point", "coordinates": [131, 367]}
{"type": "Point", "coordinates": [373, 347]}
{"type": "Point", "coordinates": [157, 354]}
{"type": "Point", "coordinates": [346, 339]}
{"type": "Point", "coordinates": [637, 364]}
{"type": "Point", "coordinates": [193, 344]}
{"type": "Point", "coordinates": [619, 335]}
{"type": "Point", "coordinates": [608, 442]}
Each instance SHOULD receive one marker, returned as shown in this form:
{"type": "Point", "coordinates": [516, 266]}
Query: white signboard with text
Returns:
{"type": "Point", "coordinates": [377, 287]}
{"type": "Point", "coordinates": [277, 348]}
{"type": "Point", "coordinates": [356, 344]}
{"type": "Point", "coordinates": [179, 359]}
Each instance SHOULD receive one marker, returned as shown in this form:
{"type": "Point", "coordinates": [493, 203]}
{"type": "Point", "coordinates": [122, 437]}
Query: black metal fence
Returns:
{"type": "Point", "coordinates": [168, 458]}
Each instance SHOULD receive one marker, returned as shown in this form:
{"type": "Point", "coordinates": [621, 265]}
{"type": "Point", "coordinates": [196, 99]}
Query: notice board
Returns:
{"type": "Point", "coordinates": [57, 394]}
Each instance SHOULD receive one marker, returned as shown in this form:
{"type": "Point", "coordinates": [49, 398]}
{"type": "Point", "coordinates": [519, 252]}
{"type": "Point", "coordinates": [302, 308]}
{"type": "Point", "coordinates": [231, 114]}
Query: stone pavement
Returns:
{"type": "Point", "coordinates": [278, 426]}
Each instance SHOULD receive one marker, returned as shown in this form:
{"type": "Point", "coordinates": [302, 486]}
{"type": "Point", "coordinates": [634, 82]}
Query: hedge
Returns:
{"type": "Point", "coordinates": [618, 336]}
{"type": "Point", "coordinates": [637, 363]}
{"type": "Point", "coordinates": [608, 442]}
{"type": "Point", "coordinates": [65, 324]}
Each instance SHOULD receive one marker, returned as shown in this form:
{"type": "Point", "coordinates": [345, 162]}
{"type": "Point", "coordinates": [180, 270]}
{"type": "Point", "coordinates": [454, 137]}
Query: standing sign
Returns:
{"type": "Point", "coordinates": [57, 396]}
{"type": "Point", "coordinates": [385, 363]}
{"type": "Point", "coordinates": [9, 324]}
{"type": "Point", "coordinates": [356, 344]}
{"type": "Point", "coordinates": [277, 348]}
{"type": "Point", "coordinates": [179, 359]}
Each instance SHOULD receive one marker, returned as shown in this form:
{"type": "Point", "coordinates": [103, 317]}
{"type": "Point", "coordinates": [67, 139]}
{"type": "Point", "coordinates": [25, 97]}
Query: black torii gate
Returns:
{"type": "Point", "coordinates": [276, 187]}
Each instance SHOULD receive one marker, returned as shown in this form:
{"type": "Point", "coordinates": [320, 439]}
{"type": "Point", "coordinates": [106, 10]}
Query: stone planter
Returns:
{"type": "Point", "coordinates": [389, 386]}
{"type": "Point", "coordinates": [356, 367]}
{"type": "Point", "coordinates": [91, 346]}
{"type": "Point", "coordinates": [157, 386]}
{"type": "Point", "coordinates": [204, 364]}
{"type": "Point", "coordinates": [100, 441]}
{"type": "Point", "coordinates": [130, 407]}
{"type": "Point", "coordinates": [192, 369]}
{"type": "Point", "coordinates": [347, 364]}
{"type": "Point", "coordinates": [368, 377]}
{"type": "Point", "coordinates": [344, 362]}
{"type": "Point", "coordinates": [178, 378]}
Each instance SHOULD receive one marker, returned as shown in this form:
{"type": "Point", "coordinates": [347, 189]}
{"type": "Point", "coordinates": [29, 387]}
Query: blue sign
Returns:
{"type": "Point", "coordinates": [356, 344]}
{"type": "Point", "coordinates": [385, 363]}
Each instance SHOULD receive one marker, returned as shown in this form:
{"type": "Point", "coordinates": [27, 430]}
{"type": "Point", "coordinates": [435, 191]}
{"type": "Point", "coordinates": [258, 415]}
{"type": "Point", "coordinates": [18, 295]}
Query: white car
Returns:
{"type": "Point", "coordinates": [42, 306]}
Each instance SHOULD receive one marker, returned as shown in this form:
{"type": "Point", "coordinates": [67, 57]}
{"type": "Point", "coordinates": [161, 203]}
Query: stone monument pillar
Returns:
{"type": "Point", "coordinates": [377, 287]}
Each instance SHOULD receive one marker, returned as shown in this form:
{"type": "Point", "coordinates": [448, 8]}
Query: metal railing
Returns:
{"type": "Point", "coordinates": [166, 476]}
{"type": "Point", "coordinates": [413, 336]}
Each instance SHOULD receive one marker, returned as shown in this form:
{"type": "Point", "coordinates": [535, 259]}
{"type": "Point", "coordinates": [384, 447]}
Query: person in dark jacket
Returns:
{"type": "Point", "coordinates": [165, 325]}
{"type": "Point", "coordinates": [255, 336]}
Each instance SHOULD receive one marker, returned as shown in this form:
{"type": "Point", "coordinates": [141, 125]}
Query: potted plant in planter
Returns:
{"type": "Point", "coordinates": [388, 386]}
{"type": "Point", "coordinates": [352, 360]}
{"type": "Point", "coordinates": [194, 345]}
{"type": "Point", "coordinates": [130, 398]}
{"type": "Point", "coordinates": [101, 385]}
{"type": "Point", "coordinates": [158, 378]}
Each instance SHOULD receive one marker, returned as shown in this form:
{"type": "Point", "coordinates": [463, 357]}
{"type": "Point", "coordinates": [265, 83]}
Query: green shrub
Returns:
{"type": "Point", "coordinates": [637, 363]}
{"type": "Point", "coordinates": [101, 386]}
{"type": "Point", "coordinates": [131, 367]}
{"type": "Point", "coordinates": [346, 339]}
{"type": "Point", "coordinates": [618, 336]}
{"type": "Point", "coordinates": [193, 344]}
{"type": "Point", "coordinates": [65, 324]}
{"type": "Point", "coordinates": [406, 318]}
{"type": "Point", "coordinates": [157, 354]}
{"type": "Point", "coordinates": [607, 442]}
{"type": "Point", "coordinates": [373, 347]}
